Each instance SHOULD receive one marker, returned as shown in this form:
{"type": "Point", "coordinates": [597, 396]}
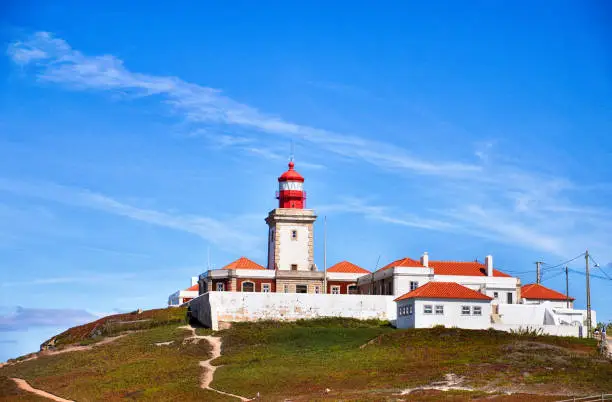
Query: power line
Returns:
{"type": "Point", "coordinates": [564, 262]}
{"type": "Point", "coordinates": [600, 268]}
{"type": "Point", "coordinates": [553, 276]}
{"type": "Point", "coordinates": [591, 275]}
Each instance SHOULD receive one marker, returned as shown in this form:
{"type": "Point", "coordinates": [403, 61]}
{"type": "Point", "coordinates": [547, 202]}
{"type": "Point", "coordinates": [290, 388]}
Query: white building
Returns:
{"type": "Point", "coordinates": [404, 275]}
{"type": "Point", "coordinates": [183, 296]}
{"type": "Point", "coordinates": [534, 293]}
{"type": "Point", "coordinates": [443, 303]}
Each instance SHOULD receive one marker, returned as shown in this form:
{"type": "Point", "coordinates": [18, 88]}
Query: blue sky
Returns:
{"type": "Point", "coordinates": [135, 137]}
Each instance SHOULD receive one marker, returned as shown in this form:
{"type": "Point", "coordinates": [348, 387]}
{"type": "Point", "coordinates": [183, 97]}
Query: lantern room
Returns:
{"type": "Point", "coordinates": [291, 192]}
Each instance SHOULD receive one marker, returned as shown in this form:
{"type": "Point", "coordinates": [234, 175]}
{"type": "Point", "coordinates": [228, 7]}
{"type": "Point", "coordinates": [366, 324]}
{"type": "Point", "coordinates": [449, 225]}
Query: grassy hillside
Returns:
{"type": "Point", "coordinates": [327, 359]}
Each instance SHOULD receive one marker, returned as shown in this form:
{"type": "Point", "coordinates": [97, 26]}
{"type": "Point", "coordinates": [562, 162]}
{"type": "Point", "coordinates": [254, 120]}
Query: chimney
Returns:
{"type": "Point", "coordinates": [194, 280]}
{"type": "Point", "coordinates": [489, 264]}
{"type": "Point", "coordinates": [425, 259]}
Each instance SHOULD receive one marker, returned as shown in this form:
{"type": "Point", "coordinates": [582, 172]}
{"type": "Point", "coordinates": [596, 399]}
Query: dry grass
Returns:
{"type": "Point", "coordinates": [355, 360]}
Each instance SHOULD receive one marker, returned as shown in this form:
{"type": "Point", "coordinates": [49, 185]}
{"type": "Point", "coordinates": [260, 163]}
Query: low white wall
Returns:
{"type": "Point", "coordinates": [202, 310]}
{"type": "Point", "coordinates": [522, 314]}
{"type": "Point", "coordinates": [557, 330]}
{"type": "Point", "coordinates": [212, 307]}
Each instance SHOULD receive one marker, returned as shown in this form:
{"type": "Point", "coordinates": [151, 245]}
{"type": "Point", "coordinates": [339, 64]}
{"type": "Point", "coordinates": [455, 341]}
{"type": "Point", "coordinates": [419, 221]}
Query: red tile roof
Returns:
{"type": "Point", "coordinates": [347, 267]}
{"type": "Point", "coordinates": [243, 263]}
{"type": "Point", "coordinates": [538, 292]}
{"type": "Point", "coordinates": [463, 268]}
{"type": "Point", "coordinates": [444, 290]}
{"type": "Point", "coordinates": [194, 287]}
{"type": "Point", "coordinates": [403, 262]}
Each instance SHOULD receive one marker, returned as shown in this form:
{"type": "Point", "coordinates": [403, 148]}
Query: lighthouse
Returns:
{"type": "Point", "coordinates": [291, 189]}
{"type": "Point", "coordinates": [291, 237]}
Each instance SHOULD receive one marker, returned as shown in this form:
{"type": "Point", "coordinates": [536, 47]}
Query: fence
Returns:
{"type": "Point", "coordinates": [592, 398]}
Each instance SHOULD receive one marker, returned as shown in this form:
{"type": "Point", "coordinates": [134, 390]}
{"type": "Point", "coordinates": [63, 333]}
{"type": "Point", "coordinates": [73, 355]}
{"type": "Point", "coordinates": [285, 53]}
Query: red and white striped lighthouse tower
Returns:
{"type": "Point", "coordinates": [291, 192]}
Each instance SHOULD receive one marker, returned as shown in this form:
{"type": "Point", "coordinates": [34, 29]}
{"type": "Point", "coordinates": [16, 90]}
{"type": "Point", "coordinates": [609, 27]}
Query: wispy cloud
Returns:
{"type": "Point", "coordinates": [494, 200]}
{"type": "Point", "coordinates": [55, 61]}
{"type": "Point", "coordinates": [215, 231]}
{"type": "Point", "coordinates": [383, 214]}
{"type": "Point", "coordinates": [26, 318]}
{"type": "Point", "coordinates": [84, 277]}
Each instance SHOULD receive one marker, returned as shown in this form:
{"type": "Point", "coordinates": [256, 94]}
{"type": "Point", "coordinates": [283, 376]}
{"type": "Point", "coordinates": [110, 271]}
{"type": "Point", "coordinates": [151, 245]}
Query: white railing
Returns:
{"type": "Point", "coordinates": [592, 398]}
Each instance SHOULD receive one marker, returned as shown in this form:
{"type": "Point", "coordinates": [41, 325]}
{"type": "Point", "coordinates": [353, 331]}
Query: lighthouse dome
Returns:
{"type": "Point", "coordinates": [291, 174]}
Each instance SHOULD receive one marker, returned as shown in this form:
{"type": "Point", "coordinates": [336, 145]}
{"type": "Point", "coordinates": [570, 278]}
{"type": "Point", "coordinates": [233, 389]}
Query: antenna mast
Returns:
{"type": "Point", "coordinates": [324, 253]}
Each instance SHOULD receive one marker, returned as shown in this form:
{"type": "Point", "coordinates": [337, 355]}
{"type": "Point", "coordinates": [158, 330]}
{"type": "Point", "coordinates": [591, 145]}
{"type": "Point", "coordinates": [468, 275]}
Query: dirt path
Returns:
{"type": "Point", "coordinates": [209, 370]}
{"type": "Point", "coordinates": [23, 385]}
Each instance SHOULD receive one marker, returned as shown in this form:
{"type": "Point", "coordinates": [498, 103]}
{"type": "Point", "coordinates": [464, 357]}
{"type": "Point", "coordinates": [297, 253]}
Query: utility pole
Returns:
{"type": "Point", "coordinates": [538, 272]}
{"type": "Point", "coordinates": [325, 255]}
{"type": "Point", "coordinates": [566, 288]}
{"type": "Point", "coordinates": [588, 295]}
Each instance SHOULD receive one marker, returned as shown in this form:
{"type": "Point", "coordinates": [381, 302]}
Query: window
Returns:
{"type": "Point", "coordinates": [294, 267]}
{"type": "Point", "coordinates": [413, 285]}
{"type": "Point", "coordinates": [427, 309]}
{"type": "Point", "coordinates": [317, 289]}
{"type": "Point", "coordinates": [353, 290]}
{"type": "Point", "coordinates": [248, 287]}
{"type": "Point", "coordinates": [294, 234]}
{"type": "Point", "coordinates": [301, 289]}
{"type": "Point", "coordinates": [509, 298]}
{"type": "Point", "coordinates": [220, 287]}
{"type": "Point", "coordinates": [265, 287]}
{"type": "Point", "coordinates": [335, 290]}
{"type": "Point", "coordinates": [495, 295]}
{"type": "Point", "coordinates": [286, 288]}
{"type": "Point", "coordinates": [465, 310]}
{"type": "Point", "coordinates": [439, 309]}
{"type": "Point", "coordinates": [410, 309]}
{"type": "Point", "coordinates": [477, 310]}
{"type": "Point", "coordinates": [401, 311]}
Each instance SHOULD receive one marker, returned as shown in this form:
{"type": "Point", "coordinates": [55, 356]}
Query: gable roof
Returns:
{"type": "Point", "coordinates": [243, 263]}
{"type": "Point", "coordinates": [444, 290]}
{"type": "Point", "coordinates": [463, 268]}
{"type": "Point", "coordinates": [347, 267]}
{"type": "Point", "coordinates": [194, 287]}
{"type": "Point", "coordinates": [403, 262]}
{"type": "Point", "coordinates": [538, 292]}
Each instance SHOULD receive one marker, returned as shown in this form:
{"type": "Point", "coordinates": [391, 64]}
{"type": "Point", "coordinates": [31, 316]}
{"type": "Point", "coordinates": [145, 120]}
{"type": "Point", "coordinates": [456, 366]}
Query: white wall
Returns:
{"type": "Point", "coordinates": [557, 330]}
{"type": "Point", "coordinates": [236, 306]}
{"type": "Point", "coordinates": [403, 276]}
{"type": "Point", "coordinates": [405, 321]}
{"type": "Point", "coordinates": [553, 303]}
{"type": "Point", "coordinates": [452, 314]}
{"type": "Point", "coordinates": [522, 314]}
{"type": "Point", "coordinates": [292, 251]}
{"type": "Point", "coordinates": [491, 284]}
{"type": "Point", "coordinates": [541, 314]}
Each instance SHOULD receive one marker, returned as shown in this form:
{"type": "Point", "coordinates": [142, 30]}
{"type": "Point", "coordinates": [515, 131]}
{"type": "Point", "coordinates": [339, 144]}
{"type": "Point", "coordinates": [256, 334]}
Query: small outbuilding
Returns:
{"type": "Point", "coordinates": [534, 293]}
{"type": "Point", "coordinates": [444, 303]}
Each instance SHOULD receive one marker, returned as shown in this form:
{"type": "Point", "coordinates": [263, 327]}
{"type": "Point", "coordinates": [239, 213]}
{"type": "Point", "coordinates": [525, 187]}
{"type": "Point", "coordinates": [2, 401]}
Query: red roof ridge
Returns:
{"type": "Point", "coordinates": [347, 267]}
{"type": "Point", "coordinates": [193, 287]}
{"type": "Point", "coordinates": [462, 268]}
{"type": "Point", "coordinates": [243, 263]}
{"type": "Point", "coordinates": [535, 291]}
{"type": "Point", "coordinates": [444, 290]}
{"type": "Point", "coordinates": [402, 262]}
